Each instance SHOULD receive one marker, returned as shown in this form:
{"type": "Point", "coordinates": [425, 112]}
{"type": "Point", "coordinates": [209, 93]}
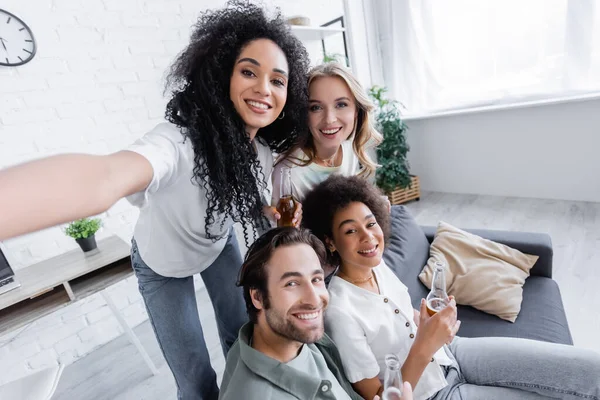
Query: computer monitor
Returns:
{"type": "Point", "coordinates": [5, 270]}
{"type": "Point", "coordinates": [7, 276]}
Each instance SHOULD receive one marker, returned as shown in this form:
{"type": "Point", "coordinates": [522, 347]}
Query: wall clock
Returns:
{"type": "Point", "coordinates": [17, 44]}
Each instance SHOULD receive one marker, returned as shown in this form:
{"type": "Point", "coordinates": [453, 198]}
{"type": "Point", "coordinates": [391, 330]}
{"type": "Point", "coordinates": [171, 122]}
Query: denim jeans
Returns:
{"type": "Point", "coordinates": [173, 313]}
{"type": "Point", "coordinates": [497, 368]}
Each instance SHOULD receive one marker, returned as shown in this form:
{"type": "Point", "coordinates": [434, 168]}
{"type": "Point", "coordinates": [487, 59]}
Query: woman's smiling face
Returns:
{"type": "Point", "coordinates": [357, 237]}
{"type": "Point", "coordinates": [331, 112]}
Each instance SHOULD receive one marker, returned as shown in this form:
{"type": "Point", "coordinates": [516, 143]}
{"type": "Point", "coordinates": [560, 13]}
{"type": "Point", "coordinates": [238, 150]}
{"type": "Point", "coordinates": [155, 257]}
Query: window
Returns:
{"type": "Point", "coordinates": [444, 55]}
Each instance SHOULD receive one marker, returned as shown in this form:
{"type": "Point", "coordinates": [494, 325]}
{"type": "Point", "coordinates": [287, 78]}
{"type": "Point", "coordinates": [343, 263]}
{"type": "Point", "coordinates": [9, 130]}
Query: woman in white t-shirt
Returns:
{"type": "Point", "coordinates": [238, 92]}
{"type": "Point", "coordinates": [342, 133]}
{"type": "Point", "coordinates": [370, 315]}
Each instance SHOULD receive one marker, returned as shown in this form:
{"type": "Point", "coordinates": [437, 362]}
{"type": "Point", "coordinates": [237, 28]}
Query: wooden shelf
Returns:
{"type": "Point", "coordinates": [26, 311]}
{"type": "Point", "coordinates": [314, 32]}
{"type": "Point", "coordinates": [54, 283]}
{"type": "Point", "coordinates": [100, 279]}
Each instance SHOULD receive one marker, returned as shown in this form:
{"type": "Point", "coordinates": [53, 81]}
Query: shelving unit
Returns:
{"type": "Point", "coordinates": [61, 280]}
{"type": "Point", "coordinates": [56, 282]}
{"type": "Point", "coordinates": [309, 33]}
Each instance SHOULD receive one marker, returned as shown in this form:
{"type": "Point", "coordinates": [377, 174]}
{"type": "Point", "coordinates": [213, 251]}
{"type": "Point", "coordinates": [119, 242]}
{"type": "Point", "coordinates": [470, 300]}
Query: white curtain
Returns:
{"type": "Point", "coordinates": [441, 55]}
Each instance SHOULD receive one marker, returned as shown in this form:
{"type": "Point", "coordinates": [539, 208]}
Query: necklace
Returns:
{"type": "Point", "coordinates": [357, 281]}
{"type": "Point", "coordinates": [329, 162]}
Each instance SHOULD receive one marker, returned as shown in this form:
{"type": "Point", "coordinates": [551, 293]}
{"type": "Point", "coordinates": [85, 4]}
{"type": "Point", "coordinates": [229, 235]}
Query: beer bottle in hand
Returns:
{"type": "Point", "coordinates": [437, 299]}
{"type": "Point", "coordinates": [392, 379]}
{"type": "Point", "coordinates": [286, 205]}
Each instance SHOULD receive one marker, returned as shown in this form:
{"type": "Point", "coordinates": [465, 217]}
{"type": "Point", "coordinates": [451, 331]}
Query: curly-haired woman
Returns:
{"type": "Point", "coordinates": [238, 93]}
{"type": "Point", "coordinates": [370, 315]}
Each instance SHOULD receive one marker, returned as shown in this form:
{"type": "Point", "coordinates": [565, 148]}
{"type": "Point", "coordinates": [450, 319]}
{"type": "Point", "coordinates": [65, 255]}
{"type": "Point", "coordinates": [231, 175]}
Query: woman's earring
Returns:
{"type": "Point", "coordinates": [282, 115]}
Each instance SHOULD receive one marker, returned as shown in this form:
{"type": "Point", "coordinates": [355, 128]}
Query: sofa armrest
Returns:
{"type": "Point", "coordinates": [538, 244]}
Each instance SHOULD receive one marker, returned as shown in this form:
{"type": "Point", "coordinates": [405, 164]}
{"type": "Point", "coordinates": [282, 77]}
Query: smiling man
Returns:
{"type": "Point", "coordinates": [283, 353]}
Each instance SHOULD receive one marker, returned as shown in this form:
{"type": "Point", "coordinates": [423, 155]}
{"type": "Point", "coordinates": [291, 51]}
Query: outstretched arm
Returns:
{"type": "Point", "coordinates": [58, 189]}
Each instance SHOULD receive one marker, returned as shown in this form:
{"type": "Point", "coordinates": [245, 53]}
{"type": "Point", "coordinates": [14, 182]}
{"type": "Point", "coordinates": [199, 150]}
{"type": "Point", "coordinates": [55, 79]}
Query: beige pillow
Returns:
{"type": "Point", "coordinates": [483, 274]}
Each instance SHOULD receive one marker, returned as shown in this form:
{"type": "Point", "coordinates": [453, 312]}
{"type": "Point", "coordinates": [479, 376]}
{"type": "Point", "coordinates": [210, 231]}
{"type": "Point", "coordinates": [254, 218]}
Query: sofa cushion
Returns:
{"type": "Point", "coordinates": [542, 316]}
{"type": "Point", "coordinates": [407, 252]}
{"type": "Point", "coordinates": [479, 272]}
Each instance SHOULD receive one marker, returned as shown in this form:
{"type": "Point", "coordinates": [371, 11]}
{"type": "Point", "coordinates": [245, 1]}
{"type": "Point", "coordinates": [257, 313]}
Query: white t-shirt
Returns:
{"type": "Point", "coordinates": [311, 362]}
{"type": "Point", "coordinates": [170, 232]}
{"type": "Point", "coordinates": [366, 326]}
{"type": "Point", "coordinates": [305, 178]}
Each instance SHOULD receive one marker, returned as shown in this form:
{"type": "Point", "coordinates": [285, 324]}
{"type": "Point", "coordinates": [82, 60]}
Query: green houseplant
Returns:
{"type": "Point", "coordinates": [335, 57]}
{"type": "Point", "coordinates": [84, 231]}
{"type": "Point", "coordinates": [393, 177]}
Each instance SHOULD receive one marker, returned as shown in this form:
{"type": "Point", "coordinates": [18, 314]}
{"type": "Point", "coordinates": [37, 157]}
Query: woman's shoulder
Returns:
{"type": "Point", "coordinates": [295, 159]}
{"type": "Point", "coordinates": [168, 130]}
{"type": "Point", "coordinates": [389, 276]}
{"type": "Point", "coordinates": [163, 144]}
{"type": "Point", "coordinates": [262, 146]}
{"type": "Point", "coordinates": [347, 145]}
{"type": "Point", "coordinates": [350, 162]}
{"type": "Point", "coordinates": [164, 137]}
{"type": "Point", "coordinates": [337, 309]}
{"type": "Point", "coordinates": [341, 293]}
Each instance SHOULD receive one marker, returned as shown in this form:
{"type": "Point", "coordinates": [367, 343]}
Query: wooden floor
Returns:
{"type": "Point", "coordinates": [117, 372]}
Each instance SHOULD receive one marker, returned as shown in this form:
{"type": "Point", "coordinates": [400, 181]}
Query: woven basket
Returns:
{"type": "Point", "coordinates": [299, 20]}
{"type": "Point", "coordinates": [413, 192]}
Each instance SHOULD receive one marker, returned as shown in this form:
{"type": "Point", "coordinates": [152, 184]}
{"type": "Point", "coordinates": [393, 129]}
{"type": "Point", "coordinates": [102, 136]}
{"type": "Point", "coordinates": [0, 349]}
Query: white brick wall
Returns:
{"type": "Point", "coordinates": [94, 86]}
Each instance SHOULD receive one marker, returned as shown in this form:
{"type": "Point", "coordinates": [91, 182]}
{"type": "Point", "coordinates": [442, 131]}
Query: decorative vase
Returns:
{"type": "Point", "coordinates": [87, 244]}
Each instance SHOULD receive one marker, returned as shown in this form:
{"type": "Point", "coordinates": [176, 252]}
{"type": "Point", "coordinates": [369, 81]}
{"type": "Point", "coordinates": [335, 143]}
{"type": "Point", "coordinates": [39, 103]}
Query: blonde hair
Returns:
{"type": "Point", "coordinates": [365, 134]}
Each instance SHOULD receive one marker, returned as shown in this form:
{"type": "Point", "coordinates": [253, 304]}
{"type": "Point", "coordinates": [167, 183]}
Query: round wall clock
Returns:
{"type": "Point", "coordinates": [17, 44]}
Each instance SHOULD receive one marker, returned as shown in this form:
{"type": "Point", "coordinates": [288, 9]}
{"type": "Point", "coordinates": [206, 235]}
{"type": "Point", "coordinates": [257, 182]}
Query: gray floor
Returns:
{"type": "Point", "coordinates": [117, 372]}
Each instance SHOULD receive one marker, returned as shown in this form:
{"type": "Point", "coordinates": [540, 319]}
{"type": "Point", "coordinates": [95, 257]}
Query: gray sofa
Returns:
{"type": "Point", "coordinates": [542, 315]}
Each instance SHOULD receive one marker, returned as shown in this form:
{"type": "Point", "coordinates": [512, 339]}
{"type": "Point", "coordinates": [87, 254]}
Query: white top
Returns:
{"type": "Point", "coordinates": [311, 362]}
{"type": "Point", "coordinates": [170, 231]}
{"type": "Point", "coordinates": [366, 326]}
{"type": "Point", "coordinates": [305, 178]}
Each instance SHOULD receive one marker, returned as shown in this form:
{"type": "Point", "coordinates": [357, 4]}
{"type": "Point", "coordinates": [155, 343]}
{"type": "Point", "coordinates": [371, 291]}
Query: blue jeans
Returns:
{"type": "Point", "coordinates": [497, 368]}
{"type": "Point", "coordinates": [173, 313]}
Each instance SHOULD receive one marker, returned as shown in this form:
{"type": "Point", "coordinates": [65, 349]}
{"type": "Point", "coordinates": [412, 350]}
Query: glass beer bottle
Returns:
{"type": "Point", "coordinates": [437, 299]}
{"type": "Point", "coordinates": [392, 379]}
{"type": "Point", "coordinates": [286, 204]}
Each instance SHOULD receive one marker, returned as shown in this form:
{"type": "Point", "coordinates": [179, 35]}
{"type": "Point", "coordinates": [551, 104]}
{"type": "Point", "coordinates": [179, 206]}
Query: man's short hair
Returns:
{"type": "Point", "coordinates": [253, 274]}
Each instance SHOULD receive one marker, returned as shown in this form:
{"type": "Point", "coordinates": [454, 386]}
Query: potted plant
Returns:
{"type": "Point", "coordinates": [83, 231]}
{"type": "Point", "coordinates": [393, 176]}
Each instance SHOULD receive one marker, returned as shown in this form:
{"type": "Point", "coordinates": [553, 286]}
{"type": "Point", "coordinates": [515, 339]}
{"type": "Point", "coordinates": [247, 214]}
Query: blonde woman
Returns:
{"type": "Point", "coordinates": [342, 131]}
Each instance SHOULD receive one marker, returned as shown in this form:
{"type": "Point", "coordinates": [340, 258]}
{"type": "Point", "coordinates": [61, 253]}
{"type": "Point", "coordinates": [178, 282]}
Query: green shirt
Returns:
{"type": "Point", "coordinates": [250, 374]}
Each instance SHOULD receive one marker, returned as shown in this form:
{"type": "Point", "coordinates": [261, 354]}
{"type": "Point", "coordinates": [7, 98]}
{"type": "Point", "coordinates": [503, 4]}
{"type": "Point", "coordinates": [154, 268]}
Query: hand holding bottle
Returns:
{"type": "Point", "coordinates": [288, 208]}
{"type": "Point", "coordinates": [407, 394]}
{"type": "Point", "coordinates": [437, 330]}
{"type": "Point", "coordinates": [437, 299]}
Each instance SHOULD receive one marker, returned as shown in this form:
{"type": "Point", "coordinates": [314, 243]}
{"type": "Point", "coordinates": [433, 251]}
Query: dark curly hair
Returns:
{"type": "Point", "coordinates": [225, 161]}
{"type": "Point", "coordinates": [254, 275]}
{"type": "Point", "coordinates": [335, 194]}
